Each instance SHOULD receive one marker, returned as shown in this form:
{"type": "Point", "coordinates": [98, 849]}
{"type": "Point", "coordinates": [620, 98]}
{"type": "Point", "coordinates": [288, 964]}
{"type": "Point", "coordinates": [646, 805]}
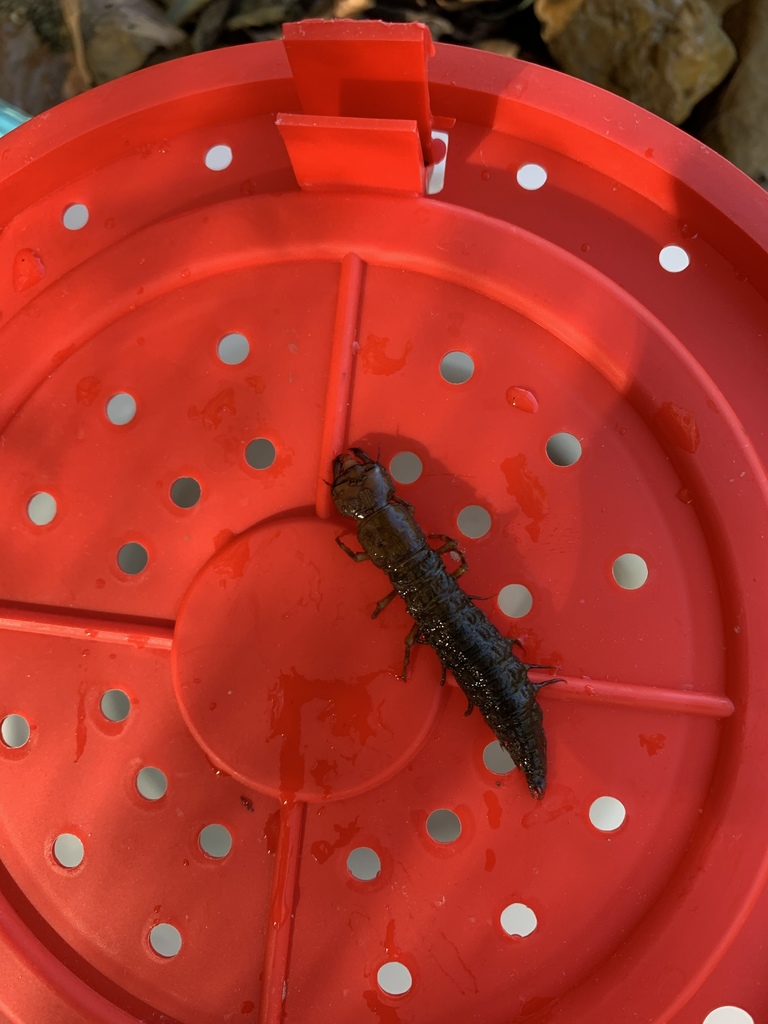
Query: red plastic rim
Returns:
{"type": "Point", "coordinates": [240, 778]}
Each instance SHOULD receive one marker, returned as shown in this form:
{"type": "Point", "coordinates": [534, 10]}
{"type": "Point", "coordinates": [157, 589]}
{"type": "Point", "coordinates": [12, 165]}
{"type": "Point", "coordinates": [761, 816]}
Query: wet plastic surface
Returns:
{"type": "Point", "coordinates": [260, 690]}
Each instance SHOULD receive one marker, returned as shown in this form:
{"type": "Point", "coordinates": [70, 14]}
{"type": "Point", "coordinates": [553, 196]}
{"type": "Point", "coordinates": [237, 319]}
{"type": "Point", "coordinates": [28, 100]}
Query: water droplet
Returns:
{"type": "Point", "coordinates": [486, 175]}
{"type": "Point", "coordinates": [28, 269]}
{"type": "Point", "coordinates": [679, 426]}
{"type": "Point", "coordinates": [585, 247]}
{"type": "Point", "coordinates": [522, 399]}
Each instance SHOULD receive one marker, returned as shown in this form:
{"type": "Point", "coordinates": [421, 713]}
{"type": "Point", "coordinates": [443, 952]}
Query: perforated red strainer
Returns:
{"type": "Point", "coordinates": [219, 801]}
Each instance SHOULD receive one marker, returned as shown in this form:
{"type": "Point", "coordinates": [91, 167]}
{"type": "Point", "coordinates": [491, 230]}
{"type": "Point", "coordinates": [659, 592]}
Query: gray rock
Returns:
{"type": "Point", "coordinates": [739, 128]}
{"type": "Point", "coordinates": [664, 55]}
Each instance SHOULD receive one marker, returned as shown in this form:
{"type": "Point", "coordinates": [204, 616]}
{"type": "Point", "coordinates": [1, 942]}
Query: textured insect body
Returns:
{"type": "Point", "coordinates": [468, 644]}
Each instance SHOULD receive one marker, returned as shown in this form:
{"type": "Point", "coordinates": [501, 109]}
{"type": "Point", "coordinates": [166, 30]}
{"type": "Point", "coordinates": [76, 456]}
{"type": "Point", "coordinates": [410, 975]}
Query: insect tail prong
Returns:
{"type": "Point", "coordinates": [538, 686]}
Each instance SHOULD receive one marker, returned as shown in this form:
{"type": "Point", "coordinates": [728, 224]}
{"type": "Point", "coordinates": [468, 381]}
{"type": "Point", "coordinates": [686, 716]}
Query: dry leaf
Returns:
{"type": "Point", "coordinates": [120, 34]}
{"type": "Point", "coordinates": [181, 11]}
{"type": "Point", "coordinates": [209, 25]}
{"type": "Point", "coordinates": [505, 47]}
{"type": "Point", "coordinates": [79, 79]}
{"type": "Point", "coordinates": [32, 76]}
{"type": "Point", "coordinates": [351, 8]}
{"type": "Point", "coordinates": [266, 14]}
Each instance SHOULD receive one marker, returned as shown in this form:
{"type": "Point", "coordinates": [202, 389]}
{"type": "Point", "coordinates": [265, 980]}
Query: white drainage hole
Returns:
{"type": "Point", "coordinates": [630, 571]}
{"type": "Point", "coordinates": [75, 217]}
{"type": "Point", "coordinates": [563, 449]}
{"type": "Point", "coordinates": [406, 467]}
{"type": "Point", "coordinates": [728, 1015]}
{"type": "Point", "coordinates": [363, 863]}
{"type": "Point", "coordinates": [233, 349]}
{"type": "Point", "coordinates": [41, 508]}
{"type": "Point", "coordinates": [165, 940]}
{"type": "Point", "coordinates": [474, 521]}
{"type": "Point", "coordinates": [121, 408]}
{"type": "Point", "coordinates": [68, 850]}
{"type": "Point", "coordinates": [444, 826]}
{"type": "Point", "coordinates": [436, 173]}
{"type": "Point", "coordinates": [607, 813]}
{"type": "Point", "coordinates": [218, 158]}
{"type": "Point", "coordinates": [132, 558]}
{"type": "Point", "coordinates": [515, 600]}
{"type": "Point", "coordinates": [456, 367]}
{"type": "Point", "coordinates": [115, 705]}
{"type": "Point", "coordinates": [15, 731]}
{"type": "Point", "coordinates": [185, 492]}
{"type": "Point", "coordinates": [260, 453]}
{"type": "Point", "coordinates": [518, 919]}
{"type": "Point", "coordinates": [497, 760]}
{"type": "Point", "coordinates": [151, 783]}
{"type": "Point", "coordinates": [673, 259]}
{"type": "Point", "coordinates": [531, 177]}
{"type": "Point", "coordinates": [394, 978]}
{"type": "Point", "coordinates": [216, 841]}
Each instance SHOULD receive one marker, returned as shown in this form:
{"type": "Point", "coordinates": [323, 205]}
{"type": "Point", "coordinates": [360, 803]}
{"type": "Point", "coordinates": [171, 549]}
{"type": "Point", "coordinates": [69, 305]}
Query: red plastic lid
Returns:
{"type": "Point", "coordinates": [219, 799]}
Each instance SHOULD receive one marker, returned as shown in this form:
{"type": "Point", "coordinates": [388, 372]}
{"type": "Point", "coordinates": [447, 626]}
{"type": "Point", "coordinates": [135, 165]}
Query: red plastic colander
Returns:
{"type": "Point", "coordinates": [547, 310]}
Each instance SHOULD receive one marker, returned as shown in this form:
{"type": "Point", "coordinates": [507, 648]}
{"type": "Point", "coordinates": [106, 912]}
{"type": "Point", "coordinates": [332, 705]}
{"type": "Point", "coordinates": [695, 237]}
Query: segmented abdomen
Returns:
{"type": "Point", "coordinates": [467, 643]}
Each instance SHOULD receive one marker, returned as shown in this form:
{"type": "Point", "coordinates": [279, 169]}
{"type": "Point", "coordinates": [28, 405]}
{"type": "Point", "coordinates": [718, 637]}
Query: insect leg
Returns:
{"type": "Point", "coordinates": [470, 705]}
{"type": "Point", "coordinates": [412, 638]}
{"type": "Point", "coordinates": [450, 544]}
{"type": "Point", "coordinates": [382, 604]}
{"type": "Point", "coordinates": [357, 556]}
{"type": "Point", "coordinates": [442, 677]}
